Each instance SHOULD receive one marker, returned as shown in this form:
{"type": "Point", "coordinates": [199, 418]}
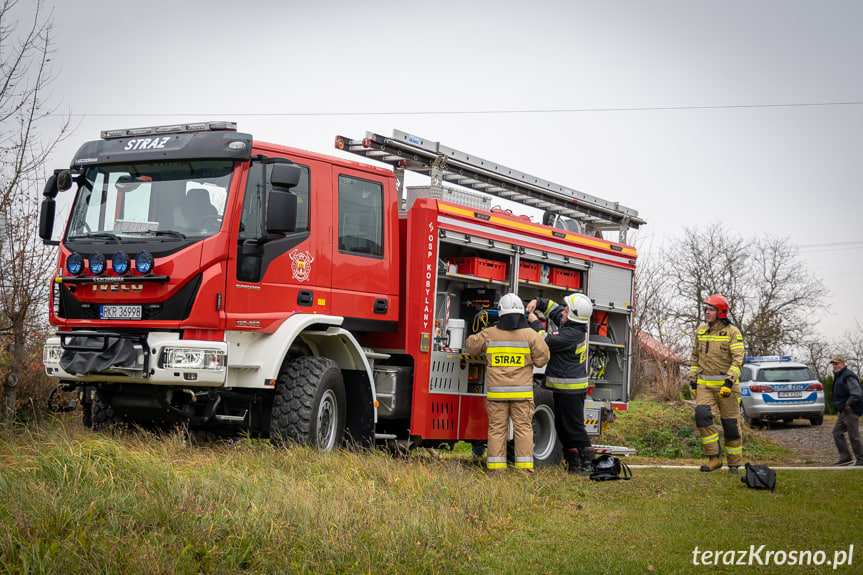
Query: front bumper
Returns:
{"type": "Point", "coordinates": [159, 358]}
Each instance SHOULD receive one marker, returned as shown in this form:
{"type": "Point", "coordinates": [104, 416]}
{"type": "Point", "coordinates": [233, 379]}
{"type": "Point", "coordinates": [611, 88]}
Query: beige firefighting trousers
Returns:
{"type": "Point", "coordinates": [728, 412]}
{"type": "Point", "coordinates": [499, 414]}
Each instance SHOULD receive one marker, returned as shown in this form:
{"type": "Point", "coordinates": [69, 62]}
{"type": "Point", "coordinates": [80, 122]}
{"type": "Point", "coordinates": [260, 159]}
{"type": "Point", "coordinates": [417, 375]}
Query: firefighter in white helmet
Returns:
{"type": "Point", "coordinates": [511, 350]}
{"type": "Point", "coordinates": [717, 356]}
{"type": "Point", "coordinates": [566, 374]}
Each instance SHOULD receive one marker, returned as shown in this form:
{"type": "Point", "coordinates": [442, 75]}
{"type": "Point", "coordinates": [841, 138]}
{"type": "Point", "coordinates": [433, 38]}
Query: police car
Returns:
{"type": "Point", "coordinates": [774, 387]}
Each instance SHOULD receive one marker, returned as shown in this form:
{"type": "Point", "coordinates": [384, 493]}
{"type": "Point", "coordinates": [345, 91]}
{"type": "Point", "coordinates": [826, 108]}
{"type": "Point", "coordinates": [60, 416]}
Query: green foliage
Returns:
{"type": "Point", "coordinates": [80, 502]}
{"type": "Point", "coordinates": [829, 408]}
{"type": "Point", "coordinates": [656, 429]}
{"type": "Point", "coordinates": [659, 430]}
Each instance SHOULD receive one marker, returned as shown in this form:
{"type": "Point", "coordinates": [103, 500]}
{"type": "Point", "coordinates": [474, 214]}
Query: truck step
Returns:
{"type": "Point", "coordinates": [613, 450]}
{"type": "Point", "coordinates": [234, 418]}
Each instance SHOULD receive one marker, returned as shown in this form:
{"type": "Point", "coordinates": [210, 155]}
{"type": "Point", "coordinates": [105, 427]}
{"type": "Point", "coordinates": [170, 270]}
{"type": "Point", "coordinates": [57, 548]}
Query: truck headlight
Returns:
{"type": "Point", "coordinates": [189, 358]}
{"type": "Point", "coordinates": [51, 354]}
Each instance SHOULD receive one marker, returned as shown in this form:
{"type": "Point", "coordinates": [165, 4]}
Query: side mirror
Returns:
{"type": "Point", "coordinates": [60, 181]}
{"type": "Point", "coordinates": [281, 211]}
{"type": "Point", "coordinates": [46, 218]}
{"type": "Point", "coordinates": [285, 176]}
{"type": "Point", "coordinates": [282, 202]}
{"type": "Point", "coordinates": [64, 180]}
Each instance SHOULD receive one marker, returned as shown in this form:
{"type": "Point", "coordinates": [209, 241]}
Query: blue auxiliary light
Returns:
{"type": "Point", "coordinates": [751, 358]}
{"type": "Point", "coordinates": [75, 263]}
{"type": "Point", "coordinates": [97, 264]}
{"type": "Point", "coordinates": [144, 263]}
{"type": "Point", "coordinates": [120, 262]}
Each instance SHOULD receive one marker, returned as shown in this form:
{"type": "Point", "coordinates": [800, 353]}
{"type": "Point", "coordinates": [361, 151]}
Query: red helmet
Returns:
{"type": "Point", "coordinates": [720, 303]}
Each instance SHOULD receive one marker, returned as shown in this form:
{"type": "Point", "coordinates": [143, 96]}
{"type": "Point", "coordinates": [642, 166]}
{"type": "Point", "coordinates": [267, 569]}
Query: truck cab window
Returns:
{"type": "Point", "coordinates": [360, 217]}
{"type": "Point", "coordinates": [252, 218]}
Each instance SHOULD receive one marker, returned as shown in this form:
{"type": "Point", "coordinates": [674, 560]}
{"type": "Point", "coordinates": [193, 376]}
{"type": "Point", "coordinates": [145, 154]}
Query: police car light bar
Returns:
{"type": "Point", "coordinates": [170, 129]}
{"type": "Point", "coordinates": [751, 358]}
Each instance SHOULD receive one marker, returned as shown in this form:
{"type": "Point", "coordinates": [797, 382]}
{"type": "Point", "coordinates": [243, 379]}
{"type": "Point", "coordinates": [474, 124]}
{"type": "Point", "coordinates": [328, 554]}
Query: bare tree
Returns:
{"type": "Point", "coordinates": [782, 298]}
{"type": "Point", "coordinates": [25, 50]}
{"type": "Point", "coordinates": [852, 349]}
{"type": "Point", "coordinates": [773, 299]}
{"type": "Point", "coordinates": [704, 262]}
{"type": "Point", "coordinates": [816, 353]}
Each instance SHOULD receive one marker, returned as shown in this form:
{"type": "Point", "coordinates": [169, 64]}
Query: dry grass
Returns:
{"type": "Point", "coordinates": [72, 501]}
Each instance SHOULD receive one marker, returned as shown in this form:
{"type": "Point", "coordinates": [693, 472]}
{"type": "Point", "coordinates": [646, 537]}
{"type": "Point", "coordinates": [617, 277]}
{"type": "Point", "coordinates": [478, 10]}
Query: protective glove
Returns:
{"type": "Point", "coordinates": [725, 391]}
{"type": "Point", "coordinates": [692, 388]}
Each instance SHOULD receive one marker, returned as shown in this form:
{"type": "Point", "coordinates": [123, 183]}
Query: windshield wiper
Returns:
{"type": "Point", "coordinates": [172, 233]}
{"type": "Point", "coordinates": [98, 236]}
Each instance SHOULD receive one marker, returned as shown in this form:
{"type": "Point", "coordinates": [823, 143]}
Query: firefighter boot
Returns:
{"type": "Point", "coordinates": [573, 460]}
{"type": "Point", "coordinates": [715, 462]}
{"type": "Point", "coordinates": [586, 461]}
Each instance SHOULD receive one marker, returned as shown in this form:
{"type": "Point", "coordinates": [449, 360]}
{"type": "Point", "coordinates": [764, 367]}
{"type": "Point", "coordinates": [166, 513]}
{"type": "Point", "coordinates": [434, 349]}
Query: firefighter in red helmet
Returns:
{"type": "Point", "coordinates": [717, 357]}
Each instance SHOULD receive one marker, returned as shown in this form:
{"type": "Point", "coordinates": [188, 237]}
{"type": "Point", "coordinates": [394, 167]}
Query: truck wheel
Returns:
{"type": "Point", "coordinates": [547, 450]}
{"type": "Point", "coordinates": [309, 406]}
{"type": "Point", "coordinates": [103, 417]}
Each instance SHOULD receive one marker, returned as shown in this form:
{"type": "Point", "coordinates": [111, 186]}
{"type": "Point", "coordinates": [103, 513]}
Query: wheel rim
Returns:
{"type": "Point", "coordinates": [328, 417]}
{"type": "Point", "coordinates": [544, 434]}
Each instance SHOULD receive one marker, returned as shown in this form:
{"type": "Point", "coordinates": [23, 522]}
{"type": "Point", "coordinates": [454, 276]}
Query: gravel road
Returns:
{"type": "Point", "coordinates": [813, 443]}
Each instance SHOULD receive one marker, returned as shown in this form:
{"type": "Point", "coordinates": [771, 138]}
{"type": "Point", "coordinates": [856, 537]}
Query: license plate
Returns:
{"type": "Point", "coordinates": [120, 312]}
{"type": "Point", "coordinates": [790, 394]}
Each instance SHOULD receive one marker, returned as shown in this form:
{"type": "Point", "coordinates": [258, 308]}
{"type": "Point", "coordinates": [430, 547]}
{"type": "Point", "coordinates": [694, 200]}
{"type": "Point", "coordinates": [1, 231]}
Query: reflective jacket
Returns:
{"type": "Point", "coordinates": [567, 368]}
{"type": "Point", "coordinates": [717, 354]}
{"type": "Point", "coordinates": [511, 350]}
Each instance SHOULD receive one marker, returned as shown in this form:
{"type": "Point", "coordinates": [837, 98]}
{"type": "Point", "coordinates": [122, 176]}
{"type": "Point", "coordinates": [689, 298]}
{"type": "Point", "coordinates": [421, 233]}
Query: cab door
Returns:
{"type": "Point", "coordinates": [271, 278]}
{"type": "Point", "coordinates": [365, 256]}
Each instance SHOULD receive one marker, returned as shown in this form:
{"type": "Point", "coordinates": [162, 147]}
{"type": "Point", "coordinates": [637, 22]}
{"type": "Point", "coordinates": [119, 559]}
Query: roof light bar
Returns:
{"type": "Point", "coordinates": [170, 129]}
{"type": "Point", "coordinates": [751, 358]}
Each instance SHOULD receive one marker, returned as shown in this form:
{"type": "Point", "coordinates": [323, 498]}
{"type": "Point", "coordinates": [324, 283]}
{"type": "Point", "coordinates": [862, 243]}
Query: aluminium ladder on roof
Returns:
{"type": "Point", "coordinates": [405, 151]}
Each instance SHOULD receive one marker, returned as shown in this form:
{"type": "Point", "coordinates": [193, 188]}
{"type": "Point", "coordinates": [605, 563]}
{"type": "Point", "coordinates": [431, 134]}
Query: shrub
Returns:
{"type": "Point", "coordinates": [33, 385]}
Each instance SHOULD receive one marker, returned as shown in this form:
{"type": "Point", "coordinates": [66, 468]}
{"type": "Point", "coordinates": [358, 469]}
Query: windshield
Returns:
{"type": "Point", "coordinates": [780, 374]}
{"type": "Point", "coordinates": [180, 199]}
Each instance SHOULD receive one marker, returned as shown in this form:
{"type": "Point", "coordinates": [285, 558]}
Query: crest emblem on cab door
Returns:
{"type": "Point", "coordinates": [301, 265]}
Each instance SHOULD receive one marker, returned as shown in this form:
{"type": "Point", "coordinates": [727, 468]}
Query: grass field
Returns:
{"type": "Point", "coordinates": [73, 501]}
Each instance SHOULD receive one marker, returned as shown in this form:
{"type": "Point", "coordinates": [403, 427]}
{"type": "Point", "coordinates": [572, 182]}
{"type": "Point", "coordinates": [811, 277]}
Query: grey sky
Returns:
{"type": "Point", "coordinates": [675, 108]}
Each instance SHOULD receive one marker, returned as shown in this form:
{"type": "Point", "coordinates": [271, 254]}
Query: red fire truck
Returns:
{"type": "Point", "coordinates": [211, 280]}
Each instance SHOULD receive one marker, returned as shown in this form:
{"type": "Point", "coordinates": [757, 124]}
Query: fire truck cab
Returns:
{"type": "Point", "coordinates": [210, 280]}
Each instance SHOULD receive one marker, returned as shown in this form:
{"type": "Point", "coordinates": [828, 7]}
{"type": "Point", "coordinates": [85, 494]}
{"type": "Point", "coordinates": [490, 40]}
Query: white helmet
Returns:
{"type": "Point", "coordinates": [580, 307]}
{"type": "Point", "coordinates": [510, 303]}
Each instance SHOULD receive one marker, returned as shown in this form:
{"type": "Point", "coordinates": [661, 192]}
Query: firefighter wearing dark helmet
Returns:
{"type": "Point", "coordinates": [717, 356]}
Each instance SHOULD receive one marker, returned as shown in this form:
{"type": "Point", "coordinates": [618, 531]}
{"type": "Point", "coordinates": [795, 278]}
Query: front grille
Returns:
{"type": "Point", "coordinates": [175, 308]}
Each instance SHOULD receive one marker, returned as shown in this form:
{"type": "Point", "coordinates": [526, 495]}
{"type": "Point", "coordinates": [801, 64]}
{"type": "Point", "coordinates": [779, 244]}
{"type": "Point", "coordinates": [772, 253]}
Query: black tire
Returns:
{"type": "Point", "coordinates": [816, 420]}
{"type": "Point", "coordinates": [103, 416]}
{"type": "Point", "coordinates": [309, 406]}
{"type": "Point", "coordinates": [547, 449]}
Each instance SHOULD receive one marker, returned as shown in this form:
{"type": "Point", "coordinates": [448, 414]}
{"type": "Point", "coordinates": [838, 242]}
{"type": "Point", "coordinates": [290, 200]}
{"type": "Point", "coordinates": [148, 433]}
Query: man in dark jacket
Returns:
{"type": "Point", "coordinates": [847, 396]}
{"type": "Point", "coordinates": [566, 373]}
